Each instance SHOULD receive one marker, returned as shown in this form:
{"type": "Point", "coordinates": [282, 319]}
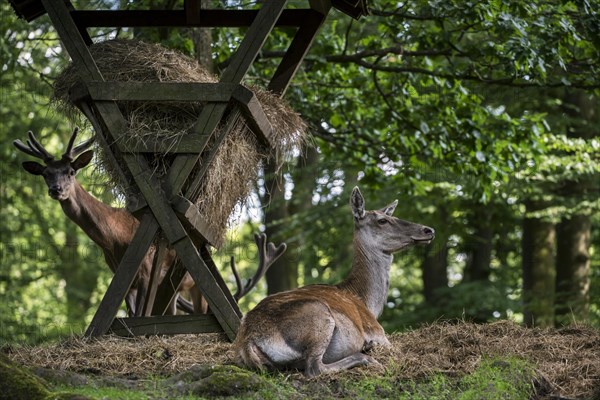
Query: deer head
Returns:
{"type": "Point", "coordinates": [58, 174]}
{"type": "Point", "coordinates": [379, 230]}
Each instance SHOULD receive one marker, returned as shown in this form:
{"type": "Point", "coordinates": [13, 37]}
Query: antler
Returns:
{"type": "Point", "coordinates": [33, 148]}
{"type": "Point", "coordinates": [267, 255]}
{"type": "Point", "coordinates": [71, 152]}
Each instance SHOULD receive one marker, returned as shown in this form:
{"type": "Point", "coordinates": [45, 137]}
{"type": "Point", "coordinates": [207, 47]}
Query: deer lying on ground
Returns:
{"type": "Point", "coordinates": [113, 228]}
{"type": "Point", "coordinates": [327, 328]}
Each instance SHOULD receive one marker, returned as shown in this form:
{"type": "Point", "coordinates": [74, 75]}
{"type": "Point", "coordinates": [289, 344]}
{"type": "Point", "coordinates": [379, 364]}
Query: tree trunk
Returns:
{"type": "Point", "coordinates": [435, 271]}
{"type": "Point", "coordinates": [573, 267]}
{"type": "Point", "coordinates": [202, 38]}
{"type": "Point", "coordinates": [283, 275]}
{"type": "Point", "coordinates": [305, 178]}
{"type": "Point", "coordinates": [481, 246]}
{"type": "Point", "coordinates": [573, 232]}
{"type": "Point", "coordinates": [80, 277]}
{"type": "Point", "coordinates": [538, 270]}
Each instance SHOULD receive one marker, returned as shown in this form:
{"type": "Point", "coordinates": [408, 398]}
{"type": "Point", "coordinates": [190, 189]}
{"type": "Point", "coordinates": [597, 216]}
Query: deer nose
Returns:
{"type": "Point", "coordinates": [54, 191]}
{"type": "Point", "coordinates": [428, 231]}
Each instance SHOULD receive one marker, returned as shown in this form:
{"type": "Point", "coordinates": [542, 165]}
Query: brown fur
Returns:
{"type": "Point", "coordinates": [324, 328]}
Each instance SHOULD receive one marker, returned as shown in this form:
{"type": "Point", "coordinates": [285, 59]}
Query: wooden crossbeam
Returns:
{"type": "Point", "coordinates": [124, 276]}
{"type": "Point", "coordinates": [179, 18]}
{"type": "Point", "coordinates": [299, 47]}
{"type": "Point", "coordinates": [256, 117]}
{"type": "Point", "coordinates": [225, 309]}
{"type": "Point", "coordinates": [171, 213]}
{"type": "Point", "coordinates": [158, 91]}
{"type": "Point", "coordinates": [110, 116]}
{"type": "Point", "coordinates": [212, 114]}
{"type": "Point", "coordinates": [165, 325]}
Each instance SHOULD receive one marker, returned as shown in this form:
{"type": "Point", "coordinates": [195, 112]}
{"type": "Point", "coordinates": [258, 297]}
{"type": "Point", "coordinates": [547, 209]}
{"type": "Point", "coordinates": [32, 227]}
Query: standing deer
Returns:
{"type": "Point", "coordinates": [327, 328]}
{"type": "Point", "coordinates": [110, 228]}
{"type": "Point", "coordinates": [113, 228]}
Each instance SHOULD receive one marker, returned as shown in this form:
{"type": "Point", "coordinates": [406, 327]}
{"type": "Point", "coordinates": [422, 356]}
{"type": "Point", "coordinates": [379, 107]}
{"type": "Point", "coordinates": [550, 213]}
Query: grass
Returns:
{"type": "Point", "coordinates": [494, 379]}
{"type": "Point", "coordinates": [445, 360]}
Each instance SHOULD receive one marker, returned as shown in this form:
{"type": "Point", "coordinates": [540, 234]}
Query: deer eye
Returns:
{"type": "Point", "coordinates": [72, 172]}
{"type": "Point", "coordinates": [382, 221]}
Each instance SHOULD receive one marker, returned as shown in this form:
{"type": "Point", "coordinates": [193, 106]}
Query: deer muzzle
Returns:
{"type": "Point", "coordinates": [427, 235]}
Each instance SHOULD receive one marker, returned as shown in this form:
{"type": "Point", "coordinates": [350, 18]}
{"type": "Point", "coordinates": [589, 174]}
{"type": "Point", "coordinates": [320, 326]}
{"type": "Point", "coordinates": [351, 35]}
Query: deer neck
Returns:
{"type": "Point", "coordinates": [369, 278]}
{"type": "Point", "coordinates": [94, 217]}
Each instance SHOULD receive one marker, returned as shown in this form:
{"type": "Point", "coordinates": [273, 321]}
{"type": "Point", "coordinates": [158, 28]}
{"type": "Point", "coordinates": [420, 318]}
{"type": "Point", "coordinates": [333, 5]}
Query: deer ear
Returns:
{"type": "Point", "coordinates": [33, 168]}
{"type": "Point", "coordinates": [83, 160]}
{"type": "Point", "coordinates": [389, 209]}
{"type": "Point", "coordinates": [357, 202]}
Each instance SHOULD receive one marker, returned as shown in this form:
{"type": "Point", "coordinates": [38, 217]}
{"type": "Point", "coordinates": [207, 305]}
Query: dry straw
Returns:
{"type": "Point", "coordinates": [236, 164]}
{"type": "Point", "coordinates": [567, 360]}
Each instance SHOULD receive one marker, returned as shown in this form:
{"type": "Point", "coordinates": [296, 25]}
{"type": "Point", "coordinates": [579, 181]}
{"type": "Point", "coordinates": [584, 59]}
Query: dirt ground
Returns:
{"type": "Point", "coordinates": [567, 360]}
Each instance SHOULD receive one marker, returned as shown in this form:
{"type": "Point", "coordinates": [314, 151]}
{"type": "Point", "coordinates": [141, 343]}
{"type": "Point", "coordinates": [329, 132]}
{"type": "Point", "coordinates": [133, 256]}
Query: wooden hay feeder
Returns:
{"type": "Point", "coordinates": [166, 176]}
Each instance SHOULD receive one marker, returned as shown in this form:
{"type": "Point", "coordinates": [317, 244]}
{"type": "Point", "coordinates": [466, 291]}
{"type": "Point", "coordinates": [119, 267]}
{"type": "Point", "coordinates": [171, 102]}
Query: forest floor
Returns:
{"type": "Point", "coordinates": [445, 360]}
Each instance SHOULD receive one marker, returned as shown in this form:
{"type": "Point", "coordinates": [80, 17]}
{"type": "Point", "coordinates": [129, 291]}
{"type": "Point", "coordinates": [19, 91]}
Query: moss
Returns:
{"type": "Point", "coordinates": [16, 383]}
{"type": "Point", "coordinates": [499, 379]}
{"type": "Point", "coordinates": [229, 381]}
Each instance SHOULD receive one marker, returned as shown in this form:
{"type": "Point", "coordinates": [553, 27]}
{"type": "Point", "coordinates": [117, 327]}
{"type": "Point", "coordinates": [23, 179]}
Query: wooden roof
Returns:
{"type": "Point", "coordinates": [32, 9]}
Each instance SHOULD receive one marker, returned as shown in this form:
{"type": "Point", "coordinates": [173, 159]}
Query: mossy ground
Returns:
{"type": "Point", "coordinates": [493, 379]}
{"type": "Point", "coordinates": [457, 360]}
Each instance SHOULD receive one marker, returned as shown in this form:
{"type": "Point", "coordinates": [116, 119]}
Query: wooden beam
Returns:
{"type": "Point", "coordinates": [179, 18]}
{"type": "Point", "coordinates": [255, 115]}
{"type": "Point", "coordinates": [165, 325]}
{"type": "Point", "coordinates": [212, 114]}
{"type": "Point", "coordinates": [158, 91]}
{"type": "Point", "coordinates": [189, 215]}
{"type": "Point", "coordinates": [298, 49]}
{"type": "Point", "coordinates": [72, 40]}
{"type": "Point", "coordinates": [226, 312]}
{"type": "Point", "coordinates": [124, 276]}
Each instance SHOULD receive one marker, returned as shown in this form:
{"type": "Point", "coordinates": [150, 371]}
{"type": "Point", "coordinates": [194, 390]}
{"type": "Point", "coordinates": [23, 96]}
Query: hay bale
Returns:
{"type": "Point", "coordinates": [235, 167]}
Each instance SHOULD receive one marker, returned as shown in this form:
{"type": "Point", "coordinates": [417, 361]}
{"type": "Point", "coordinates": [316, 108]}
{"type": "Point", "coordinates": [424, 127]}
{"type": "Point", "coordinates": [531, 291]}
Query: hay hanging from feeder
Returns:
{"type": "Point", "coordinates": [229, 179]}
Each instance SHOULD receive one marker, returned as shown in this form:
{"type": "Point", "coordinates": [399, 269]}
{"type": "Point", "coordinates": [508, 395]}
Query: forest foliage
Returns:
{"type": "Point", "coordinates": [480, 117]}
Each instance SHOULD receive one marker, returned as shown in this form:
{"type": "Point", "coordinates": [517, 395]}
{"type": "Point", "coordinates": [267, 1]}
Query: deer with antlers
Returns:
{"type": "Point", "coordinates": [113, 228]}
{"type": "Point", "coordinates": [327, 328]}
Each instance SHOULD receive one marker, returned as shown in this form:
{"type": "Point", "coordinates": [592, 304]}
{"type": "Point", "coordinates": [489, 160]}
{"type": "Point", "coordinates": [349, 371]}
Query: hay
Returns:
{"type": "Point", "coordinates": [235, 167]}
{"type": "Point", "coordinates": [567, 360]}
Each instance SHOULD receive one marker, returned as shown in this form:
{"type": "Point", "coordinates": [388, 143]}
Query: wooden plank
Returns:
{"type": "Point", "coordinates": [124, 276]}
{"type": "Point", "coordinates": [217, 300]}
{"type": "Point", "coordinates": [173, 18]}
{"type": "Point", "coordinates": [253, 41]}
{"type": "Point", "coordinates": [72, 40]}
{"type": "Point", "coordinates": [188, 213]}
{"type": "Point", "coordinates": [165, 325]}
{"type": "Point", "coordinates": [161, 91]}
{"type": "Point", "coordinates": [298, 49]}
{"type": "Point", "coordinates": [255, 115]}
{"type": "Point", "coordinates": [227, 314]}
{"type": "Point", "coordinates": [112, 118]}
{"type": "Point", "coordinates": [242, 60]}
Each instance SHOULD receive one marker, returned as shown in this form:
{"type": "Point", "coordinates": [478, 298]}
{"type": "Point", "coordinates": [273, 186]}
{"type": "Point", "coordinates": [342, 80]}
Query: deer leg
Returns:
{"type": "Point", "coordinates": [317, 348]}
{"type": "Point", "coordinates": [140, 299]}
{"type": "Point", "coordinates": [200, 304]}
{"type": "Point", "coordinates": [130, 302]}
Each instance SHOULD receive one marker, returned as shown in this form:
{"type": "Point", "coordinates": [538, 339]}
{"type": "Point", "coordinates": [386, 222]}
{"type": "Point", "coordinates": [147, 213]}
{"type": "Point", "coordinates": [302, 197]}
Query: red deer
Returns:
{"type": "Point", "coordinates": [327, 328]}
{"type": "Point", "coordinates": [110, 228]}
{"type": "Point", "coordinates": [113, 228]}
